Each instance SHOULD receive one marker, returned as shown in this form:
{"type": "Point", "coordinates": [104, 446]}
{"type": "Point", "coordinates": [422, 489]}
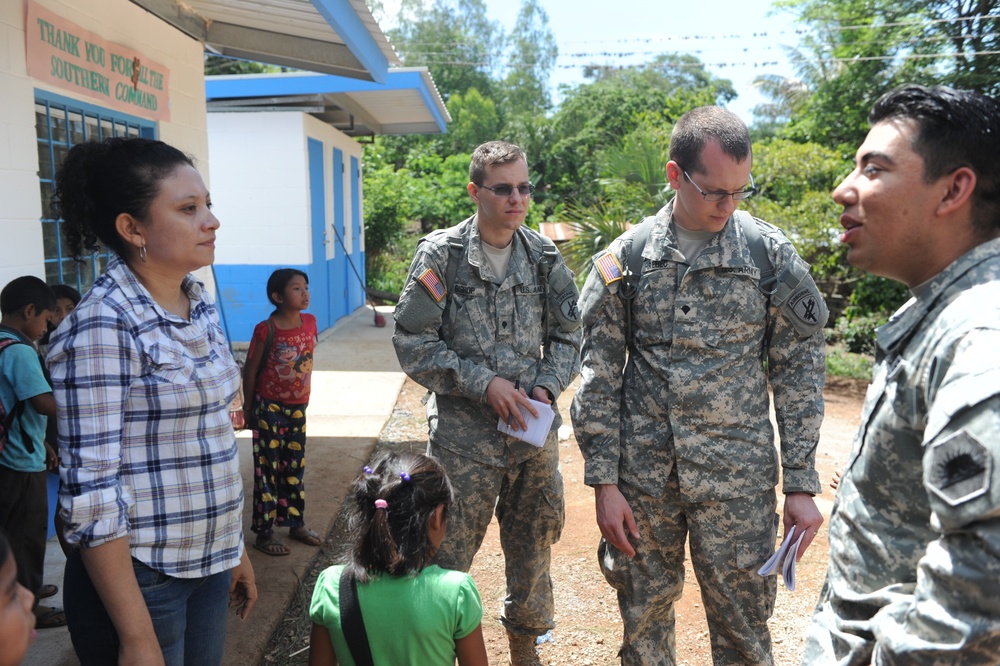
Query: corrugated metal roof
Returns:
{"type": "Point", "coordinates": [338, 37]}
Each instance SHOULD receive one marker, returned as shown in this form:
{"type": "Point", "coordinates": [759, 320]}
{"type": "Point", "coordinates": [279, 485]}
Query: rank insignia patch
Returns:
{"type": "Point", "coordinates": [960, 469]}
{"type": "Point", "coordinates": [432, 284]}
{"type": "Point", "coordinates": [607, 264]}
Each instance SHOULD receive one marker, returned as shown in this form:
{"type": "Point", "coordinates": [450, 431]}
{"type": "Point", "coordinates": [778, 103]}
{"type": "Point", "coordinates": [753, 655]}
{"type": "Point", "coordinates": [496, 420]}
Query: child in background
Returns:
{"type": "Point", "coordinates": [26, 304]}
{"type": "Point", "coordinates": [276, 382]}
{"type": "Point", "coordinates": [17, 622]}
{"type": "Point", "coordinates": [67, 298]}
{"type": "Point", "coordinates": [415, 612]}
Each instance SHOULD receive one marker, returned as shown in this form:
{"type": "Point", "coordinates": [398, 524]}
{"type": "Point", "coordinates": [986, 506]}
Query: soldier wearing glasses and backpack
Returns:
{"type": "Point", "coordinates": [487, 319]}
{"type": "Point", "coordinates": [688, 318]}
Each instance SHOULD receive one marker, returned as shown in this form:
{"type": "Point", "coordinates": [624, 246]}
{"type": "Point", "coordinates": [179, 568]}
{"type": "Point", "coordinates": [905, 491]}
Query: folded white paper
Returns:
{"type": "Point", "coordinates": [784, 557]}
{"type": "Point", "coordinates": [788, 568]}
{"type": "Point", "coordinates": [538, 428]}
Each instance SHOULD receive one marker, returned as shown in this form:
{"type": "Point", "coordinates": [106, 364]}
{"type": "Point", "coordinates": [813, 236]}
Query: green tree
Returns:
{"type": "Point", "coordinates": [532, 53]}
{"type": "Point", "coordinates": [474, 119]}
{"type": "Point", "coordinates": [595, 117]}
{"type": "Point", "coordinates": [859, 49]}
{"type": "Point", "coordinates": [454, 40]}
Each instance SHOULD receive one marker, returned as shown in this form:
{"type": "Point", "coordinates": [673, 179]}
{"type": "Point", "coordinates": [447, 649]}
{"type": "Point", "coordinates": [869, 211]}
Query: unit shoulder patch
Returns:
{"type": "Point", "coordinates": [804, 305]}
{"type": "Point", "coordinates": [960, 470]}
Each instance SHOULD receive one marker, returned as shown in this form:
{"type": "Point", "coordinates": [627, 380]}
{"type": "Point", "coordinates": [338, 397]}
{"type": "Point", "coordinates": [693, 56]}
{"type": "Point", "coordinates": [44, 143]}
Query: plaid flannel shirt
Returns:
{"type": "Point", "coordinates": [146, 445]}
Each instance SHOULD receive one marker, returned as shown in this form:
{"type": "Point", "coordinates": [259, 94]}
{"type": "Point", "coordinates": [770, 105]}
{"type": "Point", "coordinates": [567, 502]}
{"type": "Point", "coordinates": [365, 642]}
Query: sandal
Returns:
{"type": "Point", "coordinates": [46, 591]}
{"type": "Point", "coordinates": [47, 617]}
{"type": "Point", "coordinates": [271, 547]}
{"type": "Point", "coordinates": [305, 535]}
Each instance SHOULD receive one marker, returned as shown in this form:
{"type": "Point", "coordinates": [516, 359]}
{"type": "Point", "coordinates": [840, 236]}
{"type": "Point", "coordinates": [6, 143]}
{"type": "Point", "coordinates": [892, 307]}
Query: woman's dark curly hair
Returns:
{"type": "Point", "coordinates": [4, 549]}
{"type": "Point", "coordinates": [100, 180]}
{"type": "Point", "coordinates": [394, 539]}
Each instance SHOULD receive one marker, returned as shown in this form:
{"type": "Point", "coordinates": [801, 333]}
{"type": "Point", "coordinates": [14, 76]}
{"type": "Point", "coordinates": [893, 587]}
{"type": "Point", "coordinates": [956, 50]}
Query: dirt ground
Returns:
{"type": "Point", "coordinates": [588, 627]}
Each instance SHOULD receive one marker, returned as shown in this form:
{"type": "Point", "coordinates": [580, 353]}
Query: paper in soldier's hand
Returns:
{"type": "Point", "coordinates": [772, 564]}
{"type": "Point", "coordinates": [784, 557]}
{"type": "Point", "coordinates": [538, 428]}
{"type": "Point", "coordinates": [788, 568]}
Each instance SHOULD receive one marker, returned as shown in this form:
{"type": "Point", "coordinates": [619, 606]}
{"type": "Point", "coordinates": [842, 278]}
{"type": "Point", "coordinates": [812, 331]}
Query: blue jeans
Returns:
{"type": "Point", "coordinates": [189, 615]}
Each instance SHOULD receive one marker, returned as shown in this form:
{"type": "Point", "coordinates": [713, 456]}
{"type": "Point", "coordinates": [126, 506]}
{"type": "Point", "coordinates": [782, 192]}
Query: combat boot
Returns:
{"type": "Point", "coordinates": [522, 650]}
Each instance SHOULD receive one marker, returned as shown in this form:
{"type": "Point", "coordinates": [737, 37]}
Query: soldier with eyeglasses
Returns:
{"type": "Point", "coordinates": [488, 319]}
{"type": "Point", "coordinates": [672, 414]}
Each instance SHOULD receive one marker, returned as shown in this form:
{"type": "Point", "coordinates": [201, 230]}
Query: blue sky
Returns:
{"type": "Point", "coordinates": [737, 39]}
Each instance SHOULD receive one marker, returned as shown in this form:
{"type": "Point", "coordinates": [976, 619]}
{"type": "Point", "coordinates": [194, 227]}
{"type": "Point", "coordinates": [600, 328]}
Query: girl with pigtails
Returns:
{"type": "Point", "coordinates": [414, 612]}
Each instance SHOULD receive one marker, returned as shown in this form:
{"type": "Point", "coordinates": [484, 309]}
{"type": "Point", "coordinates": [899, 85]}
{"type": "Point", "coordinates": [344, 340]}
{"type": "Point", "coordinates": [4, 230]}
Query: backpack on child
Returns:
{"type": "Point", "coordinates": [7, 418]}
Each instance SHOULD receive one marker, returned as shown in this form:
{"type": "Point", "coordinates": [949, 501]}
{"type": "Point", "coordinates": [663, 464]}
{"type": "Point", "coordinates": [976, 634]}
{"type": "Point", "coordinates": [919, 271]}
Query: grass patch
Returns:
{"type": "Point", "coordinates": [842, 363]}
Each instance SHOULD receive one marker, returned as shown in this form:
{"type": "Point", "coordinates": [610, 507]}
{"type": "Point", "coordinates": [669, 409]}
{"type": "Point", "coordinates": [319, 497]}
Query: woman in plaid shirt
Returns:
{"type": "Point", "coordinates": [151, 489]}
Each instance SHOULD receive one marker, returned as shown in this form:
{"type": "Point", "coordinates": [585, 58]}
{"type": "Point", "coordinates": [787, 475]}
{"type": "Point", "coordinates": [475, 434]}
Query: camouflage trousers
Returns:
{"type": "Point", "coordinates": [527, 498]}
{"type": "Point", "coordinates": [729, 541]}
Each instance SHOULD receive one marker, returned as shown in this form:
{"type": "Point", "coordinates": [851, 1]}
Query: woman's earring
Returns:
{"type": "Point", "coordinates": [142, 253]}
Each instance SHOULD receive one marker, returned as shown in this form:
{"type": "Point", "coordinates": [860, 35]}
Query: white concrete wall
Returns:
{"type": "Point", "coordinates": [260, 187]}
{"type": "Point", "coordinates": [119, 21]}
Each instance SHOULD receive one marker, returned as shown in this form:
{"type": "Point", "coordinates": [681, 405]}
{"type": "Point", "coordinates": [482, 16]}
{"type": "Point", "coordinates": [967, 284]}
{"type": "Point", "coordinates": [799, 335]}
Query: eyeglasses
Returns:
{"type": "Point", "coordinates": [715, 197]}
{"type": "Point", "coordinates": [505, 191]}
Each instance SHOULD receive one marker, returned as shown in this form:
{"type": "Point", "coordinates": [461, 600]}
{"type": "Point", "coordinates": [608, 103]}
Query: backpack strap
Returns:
{"type": "Point", "coordinates": [544, 266]}
{"type": "Point", "coordinates": [768, 283]}
{"type": "Point", "coordinates": [268, 341]}
{"type": "Point", "coordinates": [15, 413]}
{"type": "Point", "coordinates": [351, 620]}
{"type": "Point", "coordinates": [633, 271]}
{"type": "Point", "coordinates": [455, 250]}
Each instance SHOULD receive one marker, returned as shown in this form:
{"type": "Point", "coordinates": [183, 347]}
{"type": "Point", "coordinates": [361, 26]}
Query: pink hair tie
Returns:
{"type": "Point", "coordinates": [381, 504]}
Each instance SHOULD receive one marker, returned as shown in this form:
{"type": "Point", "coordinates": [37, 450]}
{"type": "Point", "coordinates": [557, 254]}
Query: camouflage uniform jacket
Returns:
{"type": "Point", "coordinates": [695, 391]}
{"type": "Point", "coordinates": [914, 572]}
{"type": "Point", "coordinates": [454, 346]}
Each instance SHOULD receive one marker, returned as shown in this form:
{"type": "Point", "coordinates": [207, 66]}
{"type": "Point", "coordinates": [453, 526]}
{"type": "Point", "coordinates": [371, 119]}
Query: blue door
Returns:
{"type": "Point", "coordinates": [319, 269]}
{"type": "Point", "coordinates": [358, 291]}
{"type": "Point", "coordinates": [340, 270]}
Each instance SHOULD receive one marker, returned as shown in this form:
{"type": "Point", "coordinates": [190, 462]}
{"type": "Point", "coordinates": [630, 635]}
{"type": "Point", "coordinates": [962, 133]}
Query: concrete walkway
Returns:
{"type": "Point", "coordinates": [356, 381]}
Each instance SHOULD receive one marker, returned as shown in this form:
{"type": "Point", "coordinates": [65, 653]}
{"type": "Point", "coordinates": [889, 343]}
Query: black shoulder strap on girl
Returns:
{"type": "Point", "coordinates": [351, 621]}
{"type": "Point", "coordinates": [267, 346]}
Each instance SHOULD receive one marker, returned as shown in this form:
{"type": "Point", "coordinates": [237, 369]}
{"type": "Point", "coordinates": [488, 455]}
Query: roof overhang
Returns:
{"type": "Point", "coordinates": [339, 37]}
{"type": "Point", "coordinates": [407, 103]}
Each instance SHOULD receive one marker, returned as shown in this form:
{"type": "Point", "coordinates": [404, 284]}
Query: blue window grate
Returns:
{"type": "Point", "coordinates": [60, 124]}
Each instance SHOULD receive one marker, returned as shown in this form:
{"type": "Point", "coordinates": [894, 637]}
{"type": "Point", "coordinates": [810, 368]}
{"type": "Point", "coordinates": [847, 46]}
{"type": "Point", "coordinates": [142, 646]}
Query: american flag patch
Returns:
{"type": "Point", "coordinates": [432, 284]}
{"type": "Point", "coordinates": [609, 267]}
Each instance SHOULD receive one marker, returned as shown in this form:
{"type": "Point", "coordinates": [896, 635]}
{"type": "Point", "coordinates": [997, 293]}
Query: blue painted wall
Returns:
{"type": "Point", "coordinates": [243, 299]}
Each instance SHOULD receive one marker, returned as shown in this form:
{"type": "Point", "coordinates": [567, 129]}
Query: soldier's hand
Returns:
{"type": "Point", "coordinates": [801, 511]}
{"type": "Point", "coordinates": [614, 516]}
{"type": "Point", "coordinates": [541, 394]}
{"type": "Point", "coordinates": [504, 396]}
